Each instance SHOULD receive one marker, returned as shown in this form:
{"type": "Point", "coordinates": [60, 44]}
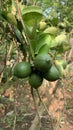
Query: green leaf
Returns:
{"type": "Point", "coordinates": [20, 39]}
{"type": "Point", "coordinates": [10, 18]}
{"type": "Point", "coordinates": [54, 21]}
{"type": "Point", "coordinates": [31, 31]}
{"type": "Point", "coordinates": [44, 49]}
{"type": "Point", "coordinates": [43, 40]}
{"type": "Point", "coordinates": [31, 14]}
{"type": "Point", "coordinates": [61, 39]}
{"type": "Point", "coordinates": [1, 17]}
{"type": "Point", "coordinates": [32, 47]}
{"type": "Point", "coordinates": [62, 44]}
{"type": "Point", "coordinates": [18, 35]}
{"type": "Point", "coordinates": [29, 9]}
{"type": "Point", "coordinates": [52, 30]}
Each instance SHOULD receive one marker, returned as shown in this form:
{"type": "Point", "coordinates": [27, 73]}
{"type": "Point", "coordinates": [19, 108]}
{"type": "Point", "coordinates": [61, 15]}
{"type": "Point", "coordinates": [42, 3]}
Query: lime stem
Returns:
{"type": "Point", "coordinates": [32, 92]}
{"type": "Point", "coordinates": [51, 120]}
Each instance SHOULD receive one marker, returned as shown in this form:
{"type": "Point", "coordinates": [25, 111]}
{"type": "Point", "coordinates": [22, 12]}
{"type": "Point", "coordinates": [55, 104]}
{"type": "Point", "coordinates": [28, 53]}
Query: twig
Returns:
{"type": "Point", "coordinates": [24, 33]}
{"type": "Point", "coordinates": [10, 49]}
{"type": "Point", "coordinates": [35, 102]}
{"type": "Point", "coordinates": [56, 86]}
{"type": "Point", "coordinates": [14, 122]}
{"type": "Point", "coordinates": [35, 122]}
{"type": "Point", "coordinates": [15, 112]}
{"type": "Point", "coordinates": [5, 60]}
{"type": "Point", "coordinates": [62, 114]}
{"type": "Point", "coordinates": [24, 29]}
{"type": "Point", "coordinates": [51, 120]}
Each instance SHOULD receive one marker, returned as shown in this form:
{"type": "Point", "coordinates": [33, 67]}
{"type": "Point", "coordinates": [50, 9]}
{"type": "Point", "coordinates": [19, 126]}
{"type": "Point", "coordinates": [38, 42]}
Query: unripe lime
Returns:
{"type": "Point", "coordinates": [35, 80]}
{"type": "Point", "coordinates": [51, 30]}
{"type": "Point", "coordinates": [42, 25]}
{"type": "Point", "coordinates": [43, 62]}
{"type": "Point", "coordinates": [22, 69]}
{"type": "Point", "coordinates": [52, 74]}
{"type": "Point", "coordinates": [63, 63]}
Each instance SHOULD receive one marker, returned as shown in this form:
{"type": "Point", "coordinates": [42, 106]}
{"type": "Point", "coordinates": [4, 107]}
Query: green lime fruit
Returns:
{"type": "Point", "coordinates": [51, 30]}
{"type": "Point", "coordinates": [63, 63]}
{"type": "Point", "coordinates": [42, 25]}
{"type": "Point", "coordinates": [43, 62]}
{"type": "Point", "coordinates": [22, 69]}
{"type": "Point", "coordinates": [59, 67]}
{"type": "Point", "coordinates": [52, 75]}
{"type": "Point", "coordinates": [35, 80]}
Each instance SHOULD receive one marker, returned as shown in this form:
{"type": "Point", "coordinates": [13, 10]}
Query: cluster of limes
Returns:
{"type": "Point", "coordinates": [43, 67]}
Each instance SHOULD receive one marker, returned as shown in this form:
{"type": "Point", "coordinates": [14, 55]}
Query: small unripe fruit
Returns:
{"type": "Point", "coordinates": [35, 80]}
{"type": "Point", "coordinates": [22, 69]}
{"type": "Point", "coordinates": [42, 25]}
{"type": "Point", "coordinates": [52, 74]}
{"type": "Point", "coordinates": [43, 62]}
